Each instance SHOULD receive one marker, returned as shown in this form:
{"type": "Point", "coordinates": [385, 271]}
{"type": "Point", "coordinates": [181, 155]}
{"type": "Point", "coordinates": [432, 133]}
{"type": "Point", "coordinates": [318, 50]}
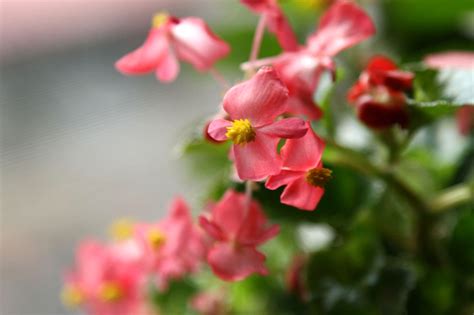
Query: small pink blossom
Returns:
{"type": "Point", "coordinates": [252, 107]}
{"type": "Point", "coordinates": [170, 38]}
{"type": "Point", "coordinates": [342, 26]}
{"type": "Point", "coordinates": [302, 172]}
{"type": "Point", "coordinates": [172, 247]}
{"type": "Point", "coordinates": [276, 20]}
{"type": "Point", "coordinates": [102, 283]}
{"type": "Point", "coordinates": [238, 226]}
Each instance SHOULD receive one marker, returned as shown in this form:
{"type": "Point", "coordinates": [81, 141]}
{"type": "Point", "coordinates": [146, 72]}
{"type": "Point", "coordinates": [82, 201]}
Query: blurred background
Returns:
{"type": "Point", "coordinates": [82, 145]}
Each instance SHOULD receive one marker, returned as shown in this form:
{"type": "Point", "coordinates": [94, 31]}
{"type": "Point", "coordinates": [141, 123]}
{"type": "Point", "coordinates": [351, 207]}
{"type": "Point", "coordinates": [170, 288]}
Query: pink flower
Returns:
{"type": "Point", "coordinates": [302, 172]}
{"type": "Point", "coordinates": [172, 247]}
{"type": "Point", "coordinates": [252, 107]}
{"type": "Point", "coordinates": [379, 96]}
{"type": "Point", "coordinates": [276, 21]}
{"type": "Point", "coordinates": [238, 226]}
{"type": "Point", "coordinates": [342, 26]}
{"type": "Point", "coordinates": [103, 284]}
{"type": "Point", "coordinates": [451, 59]}
{"type": "Point", "coordinates": [188, 39]}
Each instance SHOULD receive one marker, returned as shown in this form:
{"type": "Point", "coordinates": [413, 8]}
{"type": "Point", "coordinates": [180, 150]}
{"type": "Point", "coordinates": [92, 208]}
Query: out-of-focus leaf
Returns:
{"type": "Point", "coordinates": [394, 282]}
{"type": "Point", "coordinates": [462, 243]}
{"type": "Point", "coordinates": [423, 113]}
{"type": "Point", "coordinates": [393, 208]}
{"type": "Point", "coordinates": [175, 300]}
{"type": "Point", "coordinates": [434, 295]}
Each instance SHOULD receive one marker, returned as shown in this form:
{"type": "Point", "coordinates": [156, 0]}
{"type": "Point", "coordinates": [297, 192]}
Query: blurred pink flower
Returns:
{"type": "Point", "coordinates": [172, 247]}
{"type": "Point", "coordinates": [276, 21]}
{"type": "Point", "coordinates": [342, 26]}
{"type": "Point", "coordinates": [253, 107]}
{"type": "Point", "coordinates": [238, 226]}
{"type": "Point", "coordinates": [104, 284]}
{"type": "Point", "coordinates": [302, 172]}
{"type": "Point", "coordinates": [450, 59]}
{"type": "Point", "coordinates": [188, 39]}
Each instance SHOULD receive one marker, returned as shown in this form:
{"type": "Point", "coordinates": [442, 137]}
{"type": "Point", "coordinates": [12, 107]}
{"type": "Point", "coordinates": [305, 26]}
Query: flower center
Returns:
{"type": "Point", "coordinates": [318, 177]}
{"type": "Point", "coordinates": [159, 19]}
{"type": "Point", "coordinates": [156, 238]}
{"type": "Point", "coordinates": [241, 132]}
{"type": "Point", "coordinates": [121, 229]}
{"type": "Point", "coordinates": [110, 292]}
{"type": "Point", "coordinates": [71, 296]}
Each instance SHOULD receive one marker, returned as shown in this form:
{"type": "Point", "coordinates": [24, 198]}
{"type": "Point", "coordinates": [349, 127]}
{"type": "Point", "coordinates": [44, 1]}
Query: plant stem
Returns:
{"type": "Point", "coordinates": [219, 78]}
{"type": "Point", "coordinates": [257, 39]}
{"type": "Point", "coordinates": [453, 196]}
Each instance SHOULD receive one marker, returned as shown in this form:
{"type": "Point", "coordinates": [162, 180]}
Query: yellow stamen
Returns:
{"type": "Point", "coordinates": [318, 176]}
{"type": "Point", "coordinates": [71, 296]}
{"type": "Point", "coordinates": [110, 292]}
{"type": "Point", "coordinates": [121, 229]}
{"type": "Point", "coordinates": [241, 132]}
{"type": "Point", "coordinates": [159, 19]}
{"type": "Point", "coordinates": [156, 238]}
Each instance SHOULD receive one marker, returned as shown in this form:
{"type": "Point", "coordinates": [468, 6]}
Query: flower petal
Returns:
{"type": "Point", "coordinates": [257, 159]}
{"type": "Point", "coordinates": [286, 128]}
{"type": "Point", "coordinates": [301, 195]}
{"type": "Point", "coordinates": [168, 67]}
{"type": "Point", "coordinates": [284, 178]}
{"type": "Point", "coordinates": [451, 59]}
{"type": "Point", "coordinates": [304, 153]}
{"type": "Point", "coordinates": [211, 229]}
{"type": "Point", "coordinates": [260, 99]}
{"type": "Point", "coordinates": [229, 213]}
{"type": "Point", "coordinates": [218, 128]}
{"type": "Point", "coordinates": [254, 230]}
{"type": "Point", "coordinates": [233, 263]}
{"type": "Point", "coordinates": [279, 25]}
{"type": "Point", "coordinates": [342, 26]}
{"type": "Point", "coordinates": [303, 104]}
{"type": "Point", "coordinates": [197, 44]}
{"type": "Point", "coordinates": [146, 58]}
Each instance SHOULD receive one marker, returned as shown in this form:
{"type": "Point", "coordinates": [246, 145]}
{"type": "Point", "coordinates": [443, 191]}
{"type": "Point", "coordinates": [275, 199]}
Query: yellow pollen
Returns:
{"type": "Point", "coordinates": [318, 177]}
{"type": "Point", "coordinates": [110, 292]}
{"type": "Point", "coordinates": [241, 132]}
{"type": "Point", "coordinates": [159, 19]}
{"type": "Point", "coordinates": [71, 296]}
{"type": "Point", "coordinates": [121, 229]}
{"type": "Point", "coordinates": [156, 238]}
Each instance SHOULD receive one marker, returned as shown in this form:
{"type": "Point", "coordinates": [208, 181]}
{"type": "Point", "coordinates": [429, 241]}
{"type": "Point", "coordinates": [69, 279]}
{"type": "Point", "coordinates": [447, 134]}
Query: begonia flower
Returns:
{"type": "Point", "coordinates": [238, 227]}
{"type": "Point", "coordinates": [104, 284]}
{"type": "Point", "coordinates": [302, 172]}
{"type": "Point", "coordinates": [378, 95]}
{"type": "Point", "coordinates": [276, 21]}
{"type": "Point", "coordinates": [342, 26]}
{"type": "Point", "coordinates": [172, 247]}
{"type": "Point", "coordinates": [170, 38]}
{"type": "Point", "coordinates": [456, 60]}
{"type": "Point", "coordinates": [252, 107]}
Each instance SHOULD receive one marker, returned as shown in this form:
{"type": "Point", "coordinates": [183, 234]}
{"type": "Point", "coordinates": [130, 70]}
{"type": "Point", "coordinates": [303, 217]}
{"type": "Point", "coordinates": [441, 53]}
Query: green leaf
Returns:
{"type": "Point", "coordinates": [461, 244]}
{"type": "Point", "coordinates": [424, 113]}
{"type": "Point", "coordinates": [175, 299]}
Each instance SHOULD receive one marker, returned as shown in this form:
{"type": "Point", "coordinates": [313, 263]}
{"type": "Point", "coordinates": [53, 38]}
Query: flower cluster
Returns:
{"type": "Point", "coordinates": [270, 119]}
{"type": "Point", "coordinates": [112, 279]}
